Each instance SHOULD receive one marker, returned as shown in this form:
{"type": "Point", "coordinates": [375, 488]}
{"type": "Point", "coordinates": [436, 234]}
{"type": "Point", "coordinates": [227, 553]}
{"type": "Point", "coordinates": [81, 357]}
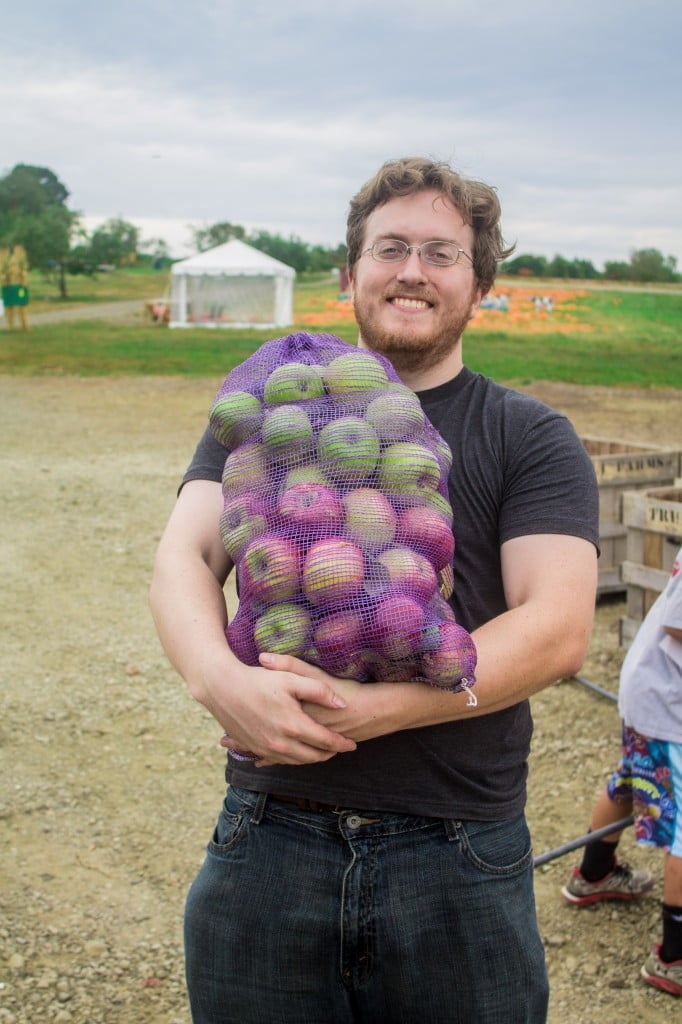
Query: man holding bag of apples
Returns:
{"type": "Point", "coordinates": [372, 861]}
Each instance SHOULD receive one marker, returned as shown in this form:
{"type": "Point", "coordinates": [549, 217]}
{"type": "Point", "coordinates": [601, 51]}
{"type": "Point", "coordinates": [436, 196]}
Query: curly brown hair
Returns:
{"type": "Point", "coordinates": [476, 201]}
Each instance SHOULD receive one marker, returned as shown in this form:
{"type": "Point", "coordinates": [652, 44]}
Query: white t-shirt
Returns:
{"type": "Point", "coordinates": [650, 697]}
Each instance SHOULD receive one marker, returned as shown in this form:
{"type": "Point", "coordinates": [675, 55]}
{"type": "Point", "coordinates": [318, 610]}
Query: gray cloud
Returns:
{"type": "Point", "coordinates": [273, 115]}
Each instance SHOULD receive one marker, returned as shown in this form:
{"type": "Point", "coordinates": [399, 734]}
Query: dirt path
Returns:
{"type": "Point", "coordinates": [111, 777]}
{"type": "Point", "coordinates": [125, 309]}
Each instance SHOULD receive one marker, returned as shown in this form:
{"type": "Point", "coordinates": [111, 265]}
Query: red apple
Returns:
{"type": "Point", "coordinates": [338, 640]}
{"type": "Point", "coordinates": [333, 571]}
{"type": "Point", "coordinates": [397, 626]}
{"type": "Point", "coordinates": [370, 518]}
{"type": "Point", "coordinates": [439, 606]}
{"type": "Point", "coordinates": [408, 572]}
{"type": "Point", "coordinates": [309, 504]}
{"type": "Point", "coordinates": [239, 636]}
{"type": "Point", "coordinates": [243, 518]}
{"type": "Point", "coordinates": [435, 500]}
{"type": "Point", "coordinates": [452, 659]}
{"type": "Point", "coordinates": [282, 629]}
{"type": "Point", "coordinates": [348, 449]}
{"type": "Point", "coordinates": [270, 569]}
{"type": "Point", "coordinates": [425, 529]}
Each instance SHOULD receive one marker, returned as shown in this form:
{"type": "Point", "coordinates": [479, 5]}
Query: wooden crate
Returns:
{"type": "Point", "coordinates": [653, 520]}
{"type": "Point", "coordinates": [622, 466]}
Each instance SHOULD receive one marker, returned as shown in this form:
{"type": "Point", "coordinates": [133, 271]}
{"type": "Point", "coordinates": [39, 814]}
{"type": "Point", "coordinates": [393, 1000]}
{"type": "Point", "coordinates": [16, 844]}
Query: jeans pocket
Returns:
{"type": "Point", "coordinates": [229, 829]}
{"type": "Point", "coordinates": [496, 847]}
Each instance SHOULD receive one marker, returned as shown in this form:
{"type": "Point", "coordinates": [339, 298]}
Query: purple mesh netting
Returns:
{"type": "Point", "coordinates": [336, 516]}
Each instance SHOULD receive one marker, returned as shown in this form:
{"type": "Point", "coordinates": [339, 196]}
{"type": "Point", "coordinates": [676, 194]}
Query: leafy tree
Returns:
{"type": "Point", "coordinates": [293, 251]}
{"type": "Point", "coordinates": [616, 270]}
{"type": "Point", "coordinates": [216, 234]}
{"type": "Point", "coordinates": [526, 265]}
{"type": "Point", "coordinates": [585, 270]}
{"type": "Point", "coordinates": [651, 265]}
{"type": "Point", "coordinates": [114, 243]}
{"type": "Point", "coordinates": [29, 189]}
{"type": "Point", "coordinates": [33, 213]}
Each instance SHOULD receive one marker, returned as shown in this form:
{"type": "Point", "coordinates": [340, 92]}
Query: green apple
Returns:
{"type": "Point", "coordinates": [246, 468]}
{"type": "Point", "coordinates": [283, 629]}
{"type": "Point", "coordinates": [408, 572]}
{"type": "Point", "coordinates": [293, 382]}
{"type": "Point", "coordinates": [287, 426]}
{"type": "Point", "coordinates": [370, 519]}
{"type": "Point", "coordinates": [444, 453]}
{"type": "Point", "coordinates": [354, 372]}
{"type": "Point", "coordinates": [348, 449]}
{"type": "Point", "coordinates": [270, 569]}
{"type": "Point", "coordinates": [408, 469]}
{"type": "Point", "coordinates": [234, 417]}
{"type": "Point", "coordinates": [309, 473]}
{"type": "Point", "coordinates": [396, 413]}
{"type": "Point", "coordinates": [243, 519]}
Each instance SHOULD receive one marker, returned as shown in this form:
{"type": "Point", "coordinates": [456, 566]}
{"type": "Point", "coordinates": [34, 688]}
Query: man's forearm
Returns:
{"type": "Point", "coordinates": [188, 608]}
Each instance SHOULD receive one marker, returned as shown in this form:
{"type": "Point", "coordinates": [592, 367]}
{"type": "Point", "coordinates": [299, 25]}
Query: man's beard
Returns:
{"type": "Point", "coordinates": [409, 352]}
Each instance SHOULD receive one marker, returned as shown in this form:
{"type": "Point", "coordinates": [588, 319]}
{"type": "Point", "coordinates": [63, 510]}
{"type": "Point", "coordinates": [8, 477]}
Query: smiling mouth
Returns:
{"type": "Point", "coordinates": [405, 303]}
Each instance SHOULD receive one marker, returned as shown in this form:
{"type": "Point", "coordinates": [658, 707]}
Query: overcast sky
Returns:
{"type": "Point", "coordinates": [272, 113]}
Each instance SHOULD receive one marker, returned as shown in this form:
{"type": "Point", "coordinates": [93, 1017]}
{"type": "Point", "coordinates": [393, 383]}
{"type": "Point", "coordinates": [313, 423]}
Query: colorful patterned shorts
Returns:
{"type": "Point", "coordinates": [650, 772]}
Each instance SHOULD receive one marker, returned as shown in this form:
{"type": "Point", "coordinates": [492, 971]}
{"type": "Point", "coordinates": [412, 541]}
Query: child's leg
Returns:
{"type": "Point", "coordinates": [599, 856]}
{"type": "Point", "coordinates": [671, 947]}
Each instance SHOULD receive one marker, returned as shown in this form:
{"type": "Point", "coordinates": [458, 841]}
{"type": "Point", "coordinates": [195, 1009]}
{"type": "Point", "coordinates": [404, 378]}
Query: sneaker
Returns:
{"type": "Point", "coordinates": [667, 977]}
{"type": "Point", "coordinates": [620, 884]}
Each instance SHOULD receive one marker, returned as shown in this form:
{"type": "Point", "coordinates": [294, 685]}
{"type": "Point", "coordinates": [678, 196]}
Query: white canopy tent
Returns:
{"type": "Point", "coordinates": [233, 285]}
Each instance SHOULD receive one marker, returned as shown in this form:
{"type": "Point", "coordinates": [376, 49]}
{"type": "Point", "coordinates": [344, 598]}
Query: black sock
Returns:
{"type": "Point", "coordinates": [671, 947]}
{"type": "Point", "coordinates": [598, 860]}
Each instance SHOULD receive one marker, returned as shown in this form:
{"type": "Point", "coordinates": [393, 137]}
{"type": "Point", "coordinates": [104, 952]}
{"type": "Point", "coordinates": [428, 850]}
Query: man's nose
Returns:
{"type": "Point", "coordinates": [411, 268]}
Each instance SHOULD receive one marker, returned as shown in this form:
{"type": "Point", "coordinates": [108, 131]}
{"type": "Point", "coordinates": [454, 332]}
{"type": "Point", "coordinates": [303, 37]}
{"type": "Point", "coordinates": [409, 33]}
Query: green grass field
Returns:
{"type": "Point", "coordinates": [602, 336]}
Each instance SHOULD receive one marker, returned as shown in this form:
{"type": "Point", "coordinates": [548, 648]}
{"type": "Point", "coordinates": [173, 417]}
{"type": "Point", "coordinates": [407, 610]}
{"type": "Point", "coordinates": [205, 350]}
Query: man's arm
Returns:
{"type": "Point", "coordinates": [261, 709]}
{"type": "Point", "coordinates": [550, 583]}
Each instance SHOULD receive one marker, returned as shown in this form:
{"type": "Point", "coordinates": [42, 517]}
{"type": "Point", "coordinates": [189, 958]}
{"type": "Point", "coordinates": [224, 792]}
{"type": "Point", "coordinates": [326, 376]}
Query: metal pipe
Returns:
{"type": "Point", "coordinates": [575, 844]}
{"type": "Point", "coordinates": [596, 687]}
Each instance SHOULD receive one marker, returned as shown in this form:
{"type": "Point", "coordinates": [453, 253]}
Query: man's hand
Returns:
{"type": "Point", "coordinates": [268, 714]}
{"type": "Point", "coordinates": [261, 711]}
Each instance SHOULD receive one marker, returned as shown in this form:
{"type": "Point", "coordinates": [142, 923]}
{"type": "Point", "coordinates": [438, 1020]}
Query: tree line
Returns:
{"type": "Point", "coordinates": [34, 213]}
{"type": "Point", "coordinates": [645, 265]}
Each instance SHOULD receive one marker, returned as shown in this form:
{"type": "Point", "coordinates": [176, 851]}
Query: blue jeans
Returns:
{"type": "Point", "coordinates": [298, 917]}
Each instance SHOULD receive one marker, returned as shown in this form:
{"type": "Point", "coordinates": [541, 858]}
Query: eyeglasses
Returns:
{"type": "Point", "coordinates": [439, 254]}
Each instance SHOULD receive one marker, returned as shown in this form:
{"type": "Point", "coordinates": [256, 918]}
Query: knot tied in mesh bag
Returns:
{"type": "Point", "coordinates": [336, 516]}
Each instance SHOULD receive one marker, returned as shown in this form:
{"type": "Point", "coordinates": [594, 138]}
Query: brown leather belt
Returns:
{"type": "Point", "coordinates": [304, 804]}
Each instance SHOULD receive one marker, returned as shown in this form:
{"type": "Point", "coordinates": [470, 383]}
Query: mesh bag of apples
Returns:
{"type": "Point", "coordinates": [336, 516]}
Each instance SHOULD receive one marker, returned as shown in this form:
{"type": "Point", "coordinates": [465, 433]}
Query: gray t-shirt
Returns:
{"type": "Point", "coordinates": [519, 468]}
